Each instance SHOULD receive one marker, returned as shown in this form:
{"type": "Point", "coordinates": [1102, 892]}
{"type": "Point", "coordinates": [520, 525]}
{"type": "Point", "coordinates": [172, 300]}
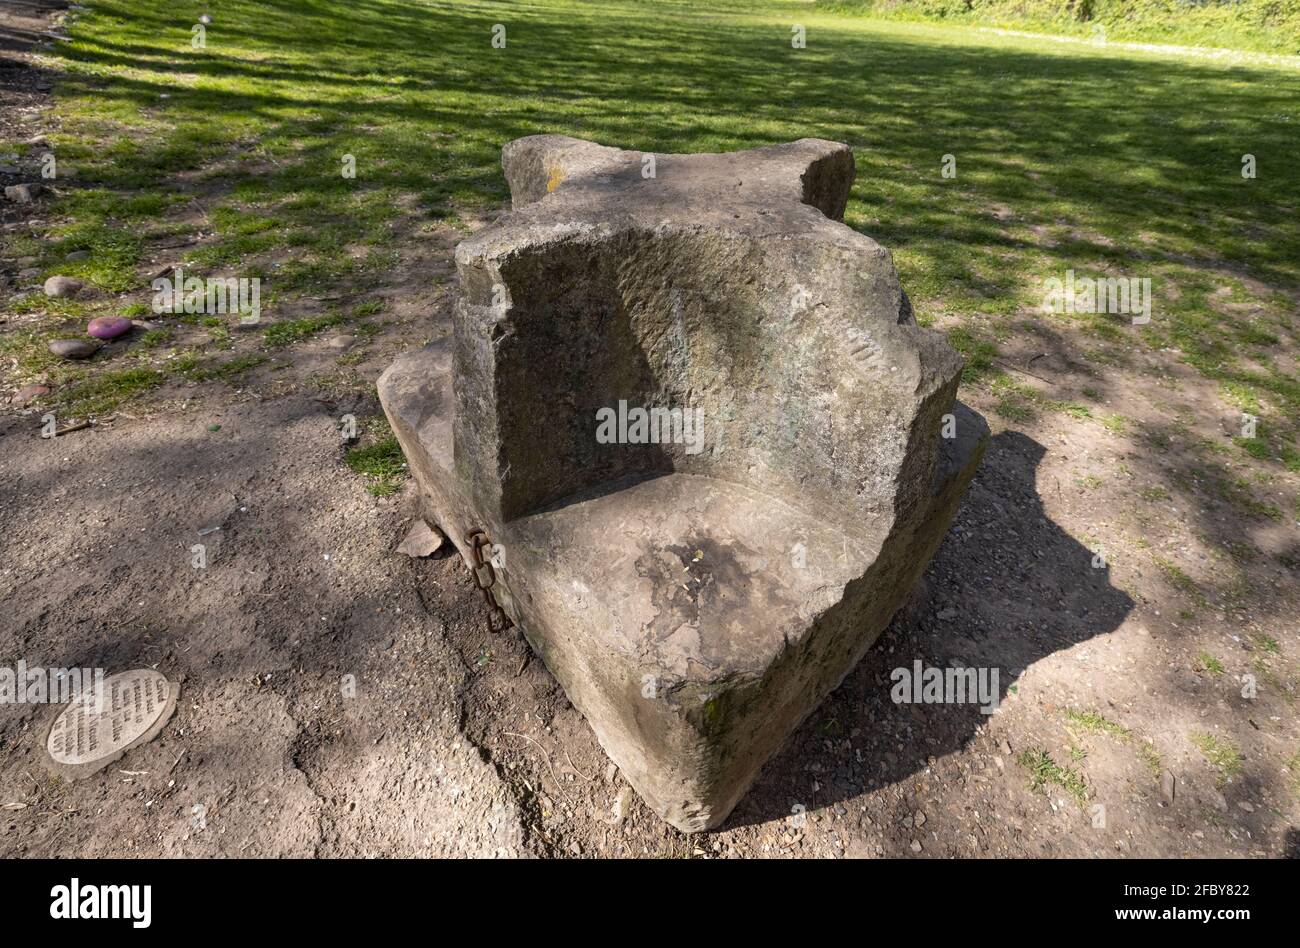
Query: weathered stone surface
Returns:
{"type": "Point", "coordinates": [28, 393]}
{"type": "Point", "coordinates": [73, 348]}
{"type": "Point", "coordinates": [696, 598]}
{"type": "Point", "coordinates": [62, 286]}
{"type": "Point", "coordinates": [421, 540]}
{"type": "Point", "coordinates": [108, 327]}
{"type": "Point", "coordinates": [22, 193]}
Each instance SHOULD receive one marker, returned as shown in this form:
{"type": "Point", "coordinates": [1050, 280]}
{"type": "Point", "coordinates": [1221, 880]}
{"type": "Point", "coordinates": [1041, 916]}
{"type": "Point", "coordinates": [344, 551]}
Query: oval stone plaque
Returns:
{"type": "Point", "coordinates": [103, 724]}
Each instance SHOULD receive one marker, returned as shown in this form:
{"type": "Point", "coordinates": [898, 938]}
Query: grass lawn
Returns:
{"type": "Point", "coordinates": [1067, 157]}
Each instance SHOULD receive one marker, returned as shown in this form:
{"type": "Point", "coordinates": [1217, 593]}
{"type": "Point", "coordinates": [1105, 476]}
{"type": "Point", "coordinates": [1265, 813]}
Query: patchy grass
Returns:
{"type": "Point", "coordinates": [1208, 663]}
{"type": "Point", "coordinates": [244, 142]}
{"type": "Point", "coordinates": [1222, 755]}
{"type": "Point", "coordinates": [381, 464]}
{"type": "Point", "coordinates": [1091, 722]}
{"type": "Point", "coordinates": [100, 394]}
{"type": "Point", "coordinates": [1044, 771]}
{"type": "Point", "coordinates": [1115, 424]}
{"type": "Point", "coordinates": [226, 371]}
{"type": "Point", "coordinates": [264, 115]}
{"type": "Point", "coordinates": [1094, 722]}
{"type": "Point", "coordinates": [1265, 643]}
{"type": "Point", "coordinates": [1179, 579]}
{"type": "Point", "coordinates": [290, 331]}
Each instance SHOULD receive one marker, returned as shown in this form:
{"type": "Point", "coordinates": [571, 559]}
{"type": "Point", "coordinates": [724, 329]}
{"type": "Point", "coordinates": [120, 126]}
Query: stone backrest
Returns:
{"type": "Point", "coordinates": [719, 289]}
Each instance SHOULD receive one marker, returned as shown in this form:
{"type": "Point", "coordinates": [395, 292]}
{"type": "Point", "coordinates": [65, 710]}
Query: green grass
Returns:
{"type": "Point", "coordinates": [1116, 424]}
{"type": "Point", "coordinates": [226, 370]}
{"type": "Point", "coordinates": [1044, 771]}
{"type": "Point", "coordinates": [381, 464]}
{"type": "Point", "coordinates": [1179, 579]}
{"type": "Point", "coordinates": [1263, 25]}
{"type": "Point", "coordinates": [254, 128]}
{"type": "Point", "coordinates": [100, 394]}
{"type": "Point", "coordinates": [1094, 723]}
{"type": "Point", "coordinates": [1222, 755]}
{"type": "Point", "coordinates": [1207, 662]}
{"type": "Point", "coordinates": [290, 331]}
{"type": "Point", "coordinates": [1265, 643]}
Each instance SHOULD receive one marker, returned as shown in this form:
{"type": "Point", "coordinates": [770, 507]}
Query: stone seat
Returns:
{"type": "Point", "coordinates": [695, 577]}
{"type": "Point", "coordinates": [695, 605]}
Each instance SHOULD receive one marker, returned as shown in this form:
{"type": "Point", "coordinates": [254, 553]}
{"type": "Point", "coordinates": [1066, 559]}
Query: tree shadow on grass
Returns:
{"type": "Point", "coordinates": [1105, 139]}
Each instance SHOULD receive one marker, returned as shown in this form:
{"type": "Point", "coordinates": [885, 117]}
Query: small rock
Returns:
{"type": "Point", "coordinates": [27, 393]}
{"type": "Point", "coordinates": [31, 274]}
{"type": "Point", "coordinates": [421, 540]}
{"type": "Point", "coordinates": [919, 819]}
{"type": "Point", "coordinates": [619, 810]}
{"type": "Point", "coordinates": [27, 261]}
{"type": "Point", "coordinates": [611, 772]}
{"type": "Point", "coordinates": [915, 846]}
{"type": "Point", "coordinates": [1006, 747]}
{"type": "Point", "coordinates": [73, 348]}
{"type": "Point", "coordinates": [77, 255]}
{"type": "Point", "coordinates": [340, 342]}
{"type": "Point", "coordinates": [22, 193]}
{"type": "Point", "coordinates": [107, 327]}
{"type": "Point", "coordinates": [62, 287]}
{"type": "Point", "coordinates": [947, 614]}
{"type": "Point", "coordinates": [1246, 806]}
{"type": "Point", "coordinates": [1167, 788]}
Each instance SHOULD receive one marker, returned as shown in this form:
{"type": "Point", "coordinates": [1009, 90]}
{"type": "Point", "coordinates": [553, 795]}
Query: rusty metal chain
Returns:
{"type": "Point", "coordinates": [477, 540]}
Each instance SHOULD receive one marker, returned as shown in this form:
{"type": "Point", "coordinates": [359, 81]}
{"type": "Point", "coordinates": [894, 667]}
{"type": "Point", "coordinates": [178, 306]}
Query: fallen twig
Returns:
{"type": "Point", "coordinates": [545, 756]}
{"type": "Point", "coordinates": [574, 768]}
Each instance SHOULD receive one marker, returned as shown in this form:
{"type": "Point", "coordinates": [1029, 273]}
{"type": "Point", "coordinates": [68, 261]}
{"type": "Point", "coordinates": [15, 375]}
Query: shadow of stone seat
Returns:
{"type": "Point", "coordinates": [1045, 595]}
{"type": "Point", "coordinates": [699, 582]}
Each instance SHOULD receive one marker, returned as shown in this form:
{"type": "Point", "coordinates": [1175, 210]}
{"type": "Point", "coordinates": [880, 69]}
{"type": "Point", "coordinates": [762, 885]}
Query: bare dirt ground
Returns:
{"type": "Point", "coordinates": [457, 742]}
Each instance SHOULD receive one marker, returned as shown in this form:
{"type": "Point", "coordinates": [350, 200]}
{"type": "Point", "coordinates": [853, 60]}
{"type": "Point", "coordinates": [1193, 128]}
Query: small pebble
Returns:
{"type": "Point", "coordinates": [108, 327]}
{"type": "Point", "coordinates": [22, 193]}
{"type": "Point", "coordinates": [73, 348]}
{"type": "Point", "coordinates": [62, 287]}
{"type": "Point", "coordinates": [421, 540]}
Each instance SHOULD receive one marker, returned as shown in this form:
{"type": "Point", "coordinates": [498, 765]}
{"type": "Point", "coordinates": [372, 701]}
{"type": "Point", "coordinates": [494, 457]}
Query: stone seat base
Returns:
{"type": "Point", "coordinates": [702, 580]}
{"type": "Point", "coordinates": [694, 622]}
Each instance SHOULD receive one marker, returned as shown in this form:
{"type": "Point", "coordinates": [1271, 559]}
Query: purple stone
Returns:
{"type": "Point", "coordinates": [108, 327]}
